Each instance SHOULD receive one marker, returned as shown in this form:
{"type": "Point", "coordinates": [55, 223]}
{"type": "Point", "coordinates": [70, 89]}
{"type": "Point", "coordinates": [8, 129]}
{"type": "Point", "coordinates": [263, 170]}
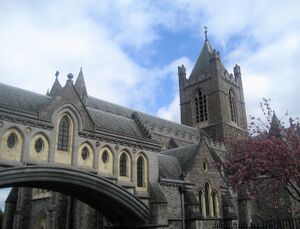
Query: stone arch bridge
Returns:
{"type": "Point", "coordinates": [121, 207]}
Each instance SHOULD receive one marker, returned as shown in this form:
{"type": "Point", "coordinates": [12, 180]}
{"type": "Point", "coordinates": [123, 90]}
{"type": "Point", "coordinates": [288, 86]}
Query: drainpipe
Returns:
{"type": "Point", "coordinates": [182, 191]}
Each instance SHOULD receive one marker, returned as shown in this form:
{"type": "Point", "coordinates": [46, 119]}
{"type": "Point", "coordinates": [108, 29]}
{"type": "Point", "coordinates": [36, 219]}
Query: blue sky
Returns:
{"type": "Point", "coordinates": [130, 50]}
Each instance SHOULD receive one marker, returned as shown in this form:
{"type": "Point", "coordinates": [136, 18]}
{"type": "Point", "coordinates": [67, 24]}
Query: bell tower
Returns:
{"type": "Point", "coordinates": [211, 98]}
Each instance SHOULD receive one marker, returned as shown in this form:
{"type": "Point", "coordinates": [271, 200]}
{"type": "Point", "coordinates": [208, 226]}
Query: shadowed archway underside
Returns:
{"type": "Point", "coordinates": [111, 200]}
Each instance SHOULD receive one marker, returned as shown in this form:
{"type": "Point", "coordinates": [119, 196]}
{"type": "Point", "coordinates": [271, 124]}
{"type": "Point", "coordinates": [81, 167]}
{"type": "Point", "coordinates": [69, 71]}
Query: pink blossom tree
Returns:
{"type": "Point", "coordinates": [268, 159]}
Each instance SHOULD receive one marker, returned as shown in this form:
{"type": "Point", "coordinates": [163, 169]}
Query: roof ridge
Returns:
{"type": "Point", "coordinates": [140, 112]}
{"type": "Point", "coordinates": [25, 90]}
{"type": "Point", "coordinates": [179, 148]}
{"type": "Point", "coordinates": [110, 113]}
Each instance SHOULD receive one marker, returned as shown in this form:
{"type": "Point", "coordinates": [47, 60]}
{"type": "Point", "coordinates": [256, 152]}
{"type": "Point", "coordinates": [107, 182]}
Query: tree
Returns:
{"type": "Point", "coordinates": [268, 159]}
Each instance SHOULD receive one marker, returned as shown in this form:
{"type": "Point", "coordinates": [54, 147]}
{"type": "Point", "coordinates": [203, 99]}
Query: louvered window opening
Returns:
{"type": "Point", "coordinates": [123, 165]}
{"type": "Point", "coordinates": [140, 172]}
{"type": "Point", "coordinates": [201, 107]}
{"type": "Point", "coordinates": [63, 135]}
{"type": "Point", "coordinates": [232, 104]}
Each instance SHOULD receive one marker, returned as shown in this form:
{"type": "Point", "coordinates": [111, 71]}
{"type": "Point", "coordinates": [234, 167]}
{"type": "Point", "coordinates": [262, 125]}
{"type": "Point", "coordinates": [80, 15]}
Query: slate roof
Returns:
{"type": "Point", "coordinates": [114, 123]}
{"type": "Point", "coordinates": [172, 162]}
{"type": "Point", "coordinates": [109, 107]}
{"type": "Point", "coordinates": [106, 116]}
{"type": "Point", "coordinates": [183, 154]}
{"type": "Point", "coordinates": [168, 167]}
{"type": "Point", "coordinates": [202, 63]}
{"type": "Point", "coordinates": [20, 99]}
{"type": "Point", "coordinates": [156, 194]}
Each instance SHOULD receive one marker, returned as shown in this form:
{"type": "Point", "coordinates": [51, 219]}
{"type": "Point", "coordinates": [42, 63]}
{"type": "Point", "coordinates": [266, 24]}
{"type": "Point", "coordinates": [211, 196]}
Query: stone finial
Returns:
{"type": "Point", "coordinates": [181, 70]}
{"type": "Point", "coordinates": [70, 78]}
{"type": "Point", "coordinates": [237, 70]}
{"type": "Point", "coordinates": [56, 74]}
{"type": "Point", "coordinates": [205, 32]}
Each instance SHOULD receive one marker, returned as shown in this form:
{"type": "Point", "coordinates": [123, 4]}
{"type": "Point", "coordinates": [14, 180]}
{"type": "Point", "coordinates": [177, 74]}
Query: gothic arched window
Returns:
{"type": "Point", "coordinates": [63, 134]}
{"type": "Point", "coordinates": [232, 104]}
{"type": "Point", "coordinates": [123, 165]}
{"type": "Point", "coordinates": [201, 203]}
{"type": "Point", "coordinates": [215, 204]}
{"type": "Point", "coordinates": [200, 107]}
{"type": "Point", "coordinates": [140, 167]}
{"type": "Point", "coordinates": [207, 198]}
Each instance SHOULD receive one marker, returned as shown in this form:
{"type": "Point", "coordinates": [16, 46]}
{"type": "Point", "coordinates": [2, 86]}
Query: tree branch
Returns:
{"type": "Point", "coordinates": [291, 194]}
{"type": "Point", "coordinates": [293, 187]}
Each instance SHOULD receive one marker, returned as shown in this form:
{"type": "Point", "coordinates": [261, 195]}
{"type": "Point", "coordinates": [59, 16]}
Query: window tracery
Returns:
{"type": "Point", "coordinates": [63, 134]}
{"type": "Point", "coordinates": [232, 104]}
{"type": "Point", "coordinates": [123, 165]}
{"type": "Point", "coordinates": [140, 171]}
{"type": "Point", "coordinates": [200, 107]}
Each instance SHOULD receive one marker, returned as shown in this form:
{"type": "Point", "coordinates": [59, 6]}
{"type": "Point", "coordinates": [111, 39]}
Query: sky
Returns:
{"type": "Point", "coordinates": [130, 49]}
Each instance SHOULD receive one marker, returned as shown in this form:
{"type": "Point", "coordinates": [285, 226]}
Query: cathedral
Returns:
{"type": "Point", "coordinates": [173, 171]}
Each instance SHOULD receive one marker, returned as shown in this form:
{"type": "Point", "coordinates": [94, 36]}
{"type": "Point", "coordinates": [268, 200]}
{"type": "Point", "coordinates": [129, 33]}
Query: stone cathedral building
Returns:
{"type": "Point", "coordinates": [172, 169]}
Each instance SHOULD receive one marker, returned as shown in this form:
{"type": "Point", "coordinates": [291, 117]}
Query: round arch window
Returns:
{"type": "Point", "coordinates": [85, 153]}
{"type": "Point", "coordinates": [105, 157]}
{"type": "Point", "coordinates": [39, 145]}
{"type": "Point", "coordinates": [12, 140]}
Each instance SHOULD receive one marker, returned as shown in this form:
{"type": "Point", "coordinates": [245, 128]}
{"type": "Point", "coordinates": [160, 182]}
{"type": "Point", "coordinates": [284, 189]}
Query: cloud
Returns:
{"type": "Point", "coordinates": [3, 195]}
{"type": "Point", "coordinates": [33, 46]}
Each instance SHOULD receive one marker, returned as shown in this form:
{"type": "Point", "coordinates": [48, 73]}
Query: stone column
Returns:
{"type": "Point", "coordinates": [51, 211]}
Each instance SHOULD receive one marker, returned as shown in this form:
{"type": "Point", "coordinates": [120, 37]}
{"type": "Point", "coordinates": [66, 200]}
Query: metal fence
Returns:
{"type": "Point", "coordinates": [292, 223]}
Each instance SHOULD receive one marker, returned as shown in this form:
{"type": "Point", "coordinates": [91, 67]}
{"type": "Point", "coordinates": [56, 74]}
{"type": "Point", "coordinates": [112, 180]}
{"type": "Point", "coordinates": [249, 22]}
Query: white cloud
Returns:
{"type": "Point", "coordinates": [171, 111]}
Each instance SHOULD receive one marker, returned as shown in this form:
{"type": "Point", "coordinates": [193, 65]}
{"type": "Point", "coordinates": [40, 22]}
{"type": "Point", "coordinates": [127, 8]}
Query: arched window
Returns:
{"type": "Point", "coordinates": [201, 203]}
{"type": "Point", "coordinates": [140, 167]}
{"type": "Point", "coordinates": [123, 165]}
{"type": "Point", "coordinates": [215, 203]}
{"type": "Point", "coordinates": [200, 107]}
{"type": "Point", "coordinates": [207, 198]}
{"type": "Point", "coordinates": [63, 134]}
{"type": "Point", "coordinates": [232, 104]}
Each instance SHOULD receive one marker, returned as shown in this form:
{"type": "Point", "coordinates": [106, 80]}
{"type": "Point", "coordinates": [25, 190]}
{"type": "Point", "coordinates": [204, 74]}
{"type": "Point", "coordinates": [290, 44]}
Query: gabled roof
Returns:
{"type": "Point", "coordinates": [183, 154]}
{"type": "Point", "coordinates": [20, 99]}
